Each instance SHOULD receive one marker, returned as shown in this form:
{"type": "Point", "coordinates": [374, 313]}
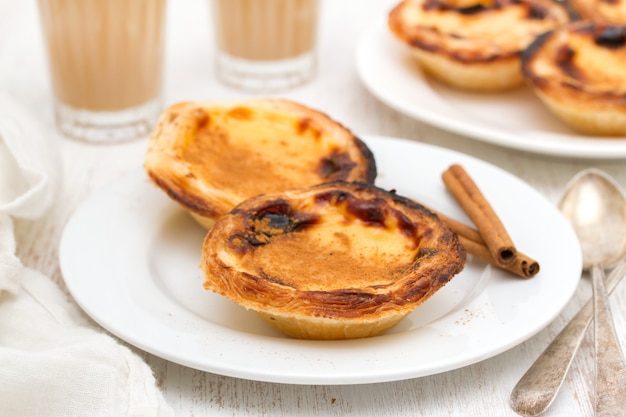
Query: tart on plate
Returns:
{"type": "Point", "coordinates": [209, 157]}
{"type": "Point", "coordinates": [579, 72]}
{"type": "Point", "coordinates": [473, 44]}
{"type": "Point", "coordinates": [338, 260]}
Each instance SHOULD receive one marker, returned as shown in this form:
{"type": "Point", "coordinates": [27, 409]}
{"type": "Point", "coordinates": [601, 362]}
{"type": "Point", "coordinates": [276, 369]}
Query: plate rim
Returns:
{"type": "Point", "coordinates": [381, 375]}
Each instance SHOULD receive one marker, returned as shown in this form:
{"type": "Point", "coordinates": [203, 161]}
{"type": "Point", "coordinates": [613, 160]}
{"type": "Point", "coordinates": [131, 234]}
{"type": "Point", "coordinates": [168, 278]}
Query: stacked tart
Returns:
{"type": "Point", "coordinates": [579, 72]}
{"type": "Point", "coordinates": [473, 44]}
{"type": "Point", "coordinates": [210, 157]}
{"type": "Point", "coordinates": [338, 260]}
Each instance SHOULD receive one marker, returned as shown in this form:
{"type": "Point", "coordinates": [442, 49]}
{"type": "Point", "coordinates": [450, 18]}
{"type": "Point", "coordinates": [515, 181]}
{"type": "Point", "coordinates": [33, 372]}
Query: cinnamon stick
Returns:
{"type": "Point", "coordinates": [473, 202]}
{"type": "Point", "coordinates": [524, 266]}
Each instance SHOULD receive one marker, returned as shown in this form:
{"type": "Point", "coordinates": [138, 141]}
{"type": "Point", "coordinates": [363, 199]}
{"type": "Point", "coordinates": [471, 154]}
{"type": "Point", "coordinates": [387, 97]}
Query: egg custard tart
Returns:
{"type": "Point", "coordinates": [338, 260]}
{"type": "Point", "coordinates": [579, 72]}
{"type": "Point", "coordinates": [473, 44]}
{"type": "Point", "coordinates": [210, 157]}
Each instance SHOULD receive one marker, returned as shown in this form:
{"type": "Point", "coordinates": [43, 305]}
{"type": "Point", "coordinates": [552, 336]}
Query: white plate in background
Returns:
{"type": "Point", "coordinates": [515, 119]}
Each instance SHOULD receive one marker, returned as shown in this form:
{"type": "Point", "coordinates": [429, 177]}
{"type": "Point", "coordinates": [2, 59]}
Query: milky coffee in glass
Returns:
{"type": "Point", "coordinates": [265, 45]}
{"type": "Point", "coordinates": [106, 64]}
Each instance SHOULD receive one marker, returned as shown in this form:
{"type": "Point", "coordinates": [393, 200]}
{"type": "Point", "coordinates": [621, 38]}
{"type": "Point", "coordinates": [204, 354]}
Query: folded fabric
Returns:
{"type": "Point", "coordinates": [53, 360]}
{"type": "Point", "coordinates": [29, 163]}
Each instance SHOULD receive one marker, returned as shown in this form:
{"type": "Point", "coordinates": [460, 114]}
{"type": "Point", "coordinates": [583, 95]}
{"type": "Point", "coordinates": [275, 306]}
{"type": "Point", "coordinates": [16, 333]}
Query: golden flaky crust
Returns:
{"type": "Point", "coordinates": [578, 71]}
{"type": "Point", "coordinates": [606, 12]}
{"type": "Point", "coordinates": [333, 261]}
{"type": "Point", "coordinates": [473, 44]}
{"type": "Point", "coordinates": [211, 156]}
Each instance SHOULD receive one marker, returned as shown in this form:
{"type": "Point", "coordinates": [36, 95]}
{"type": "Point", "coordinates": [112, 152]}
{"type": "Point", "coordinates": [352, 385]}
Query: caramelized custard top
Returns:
{"type": "Point", "coordinates": [584, 57]}
{"type": "Point", "coordinates": [209, 158]}
{"type": "Point", "coordinates": [248, 150]}
{"type": "Point", "coordinates": [334, 250]}
{"type": "Point", "coordinates": [473, 30]}
{"type": "Point", "coordinates": [328, 242]}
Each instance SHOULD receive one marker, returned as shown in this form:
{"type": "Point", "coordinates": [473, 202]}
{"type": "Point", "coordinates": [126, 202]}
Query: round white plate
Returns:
{"type": "Point", "coordinates": [515, 119]}
{"type": "Point", "coordinates": [130, 257]}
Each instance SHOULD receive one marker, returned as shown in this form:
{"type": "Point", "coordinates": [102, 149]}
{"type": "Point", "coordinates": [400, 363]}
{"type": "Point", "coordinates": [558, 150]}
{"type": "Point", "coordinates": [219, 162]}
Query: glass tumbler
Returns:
{"type": "Point", "coordinates": [265, 45]}
{"type": "Point", "coordinates": [106, 65]}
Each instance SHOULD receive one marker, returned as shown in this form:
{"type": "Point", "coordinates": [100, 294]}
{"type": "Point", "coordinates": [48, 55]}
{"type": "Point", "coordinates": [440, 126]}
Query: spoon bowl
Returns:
{"type": "Point", "coordinates": [595, 206]}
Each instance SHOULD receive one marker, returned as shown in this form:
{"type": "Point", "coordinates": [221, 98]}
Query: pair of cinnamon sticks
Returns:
{"type": "Point", "coordinates": [491, 242]}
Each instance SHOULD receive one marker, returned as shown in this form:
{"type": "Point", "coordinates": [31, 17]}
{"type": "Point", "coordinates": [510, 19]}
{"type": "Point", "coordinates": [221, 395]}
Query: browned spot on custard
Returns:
{"type": "Point", "coordinates": [306, 125]}
{"type": "Point", "coordinates": [536, 12]}
{"type": "Point", "coordinates": [336, 166]}
{"type": "Point", "coordinates": [272, 219]}
{"type": "Point", "coordinates": [333, 197]}
{"type": "Point", "coordinates": [201, 117]}
{"type": "Point", "coordinates": [370, 212]}
{"type": "Point", "coordinates": [612, 37]}
{"type": "Point", "coordinates": [241, 113]}
{"type": "Point", "coordinates": [533, 11]}
{"type": "Point", "coordinates": [565, 60]}
{"type": "Point", "coordinates": [404, 224]}
{"type": "Point", "coordinates": [374, 212]}
{"type": "Point", "coordinates": [438, 5]}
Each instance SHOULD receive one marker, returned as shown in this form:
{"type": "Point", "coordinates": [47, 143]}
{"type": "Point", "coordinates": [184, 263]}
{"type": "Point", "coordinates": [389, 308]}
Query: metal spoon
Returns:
{"type": "Point", "coordinates": [596, 207]}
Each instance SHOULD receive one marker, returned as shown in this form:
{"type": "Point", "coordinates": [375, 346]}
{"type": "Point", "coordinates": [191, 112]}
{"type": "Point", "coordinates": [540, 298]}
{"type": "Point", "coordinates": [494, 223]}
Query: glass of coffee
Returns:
{"type": "Point", "coordinates": [106, 64]}
{"type": "Point", "coordinates": [265, 45]}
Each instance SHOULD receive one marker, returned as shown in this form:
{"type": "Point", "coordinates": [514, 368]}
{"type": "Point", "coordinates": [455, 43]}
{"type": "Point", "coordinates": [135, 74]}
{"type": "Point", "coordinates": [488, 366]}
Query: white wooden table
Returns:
{"type": "Point", "coordinates": [481, 389]}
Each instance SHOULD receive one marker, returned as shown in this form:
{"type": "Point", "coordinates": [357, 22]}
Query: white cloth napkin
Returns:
{"type": "Point", "coordinates": [53, 361]}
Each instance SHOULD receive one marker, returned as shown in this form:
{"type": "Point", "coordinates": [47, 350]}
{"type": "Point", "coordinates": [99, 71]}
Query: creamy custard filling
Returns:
{"type": "Point", "coordinates": [247, 150]}
{"type": "Point", "coordinates": [509, 26]}
{"type": "Point", "coordinates": [491, 28]}
{"type": "Point", "coordinates": [601, 68]}
{"type": "Point", "coordinates": [211, 157]}
{"type": "Point", "coordinates": [315, 245]}
{"type": "Point", "coordinates": [581, 60]}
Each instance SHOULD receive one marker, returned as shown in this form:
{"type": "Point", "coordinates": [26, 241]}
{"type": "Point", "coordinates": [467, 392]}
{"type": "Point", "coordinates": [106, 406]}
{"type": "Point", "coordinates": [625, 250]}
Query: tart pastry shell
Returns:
{"type": "Point", "coordinates": [333, 261]}
{"type": "Point", "coordinates": [579, 72]}
{"type": "Point", "coordinates": [209, 157]}
{"type": "Point", "coordinates": [473, 45]}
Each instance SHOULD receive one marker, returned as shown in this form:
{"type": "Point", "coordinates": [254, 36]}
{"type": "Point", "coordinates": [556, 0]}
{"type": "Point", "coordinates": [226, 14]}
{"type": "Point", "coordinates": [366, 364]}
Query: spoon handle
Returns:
{"type": "Point", "coordinates": [610, 367]}
{"type": "Point", "coordinates": [536, 390]}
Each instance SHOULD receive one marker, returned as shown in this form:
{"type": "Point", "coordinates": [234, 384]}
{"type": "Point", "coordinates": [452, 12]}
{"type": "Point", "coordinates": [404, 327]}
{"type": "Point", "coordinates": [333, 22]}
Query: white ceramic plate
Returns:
{"type": "Point", "coordinates": [130, 258]}
{"type": "Point", "coordinates": [514, 119]}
